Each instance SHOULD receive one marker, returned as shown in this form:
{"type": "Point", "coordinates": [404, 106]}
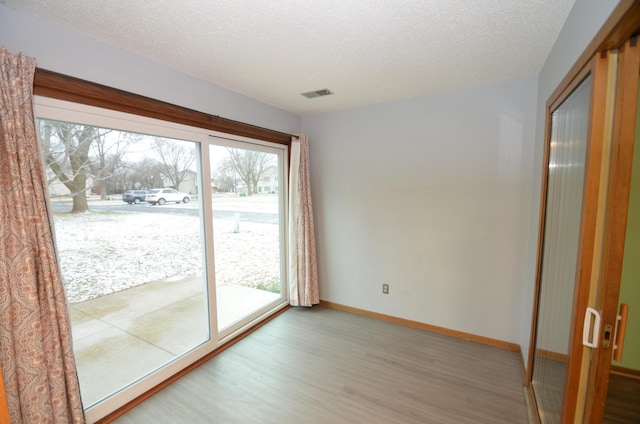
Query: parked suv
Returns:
{"type": "Point", "coordinates": [134, 196]}
{"type": "Point", "coordinates": [164, 195]}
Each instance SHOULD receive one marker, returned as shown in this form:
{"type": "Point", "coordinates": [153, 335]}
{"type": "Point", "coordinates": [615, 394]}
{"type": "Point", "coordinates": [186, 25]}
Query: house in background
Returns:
{"type": "Point", "coordinates": [268, 182]}
{"type": "Point", "coordinates": [437, 196]}
{"type": "Point", "coordinates": [189, 183]}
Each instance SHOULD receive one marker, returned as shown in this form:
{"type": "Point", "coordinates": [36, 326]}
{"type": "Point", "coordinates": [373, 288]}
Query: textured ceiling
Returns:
{"type": "Point", "coordinates": [365, 51]}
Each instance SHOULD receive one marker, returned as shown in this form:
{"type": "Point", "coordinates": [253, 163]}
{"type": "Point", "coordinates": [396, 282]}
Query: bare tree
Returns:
{"type": "Point", "coordinates": [143, 174]}
{"type": "Point", "coordinates": [146, 174]}
{"type": "Point", "coordinates": [249, 165]}
{"type": "Point", "coordinates": [108, 153]}
{"type": "Point", "coordinates": [223, 178]}
{"type": "Point", "coordinates": [118, 182]}
{"type": "Point", "coordinates": [176, 159]}
{"type": "Point", "coordinates": [66, 150]}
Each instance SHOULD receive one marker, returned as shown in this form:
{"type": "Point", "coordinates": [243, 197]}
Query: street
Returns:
{"type": "Point", "coordinates": [176, 209]}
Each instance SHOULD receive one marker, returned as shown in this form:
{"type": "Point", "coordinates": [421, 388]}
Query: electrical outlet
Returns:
{"type": "Point", "coordinates": [385, 289]}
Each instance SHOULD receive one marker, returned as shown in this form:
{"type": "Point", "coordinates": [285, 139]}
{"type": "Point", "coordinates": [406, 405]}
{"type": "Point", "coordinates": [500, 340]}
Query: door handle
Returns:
{"type": "Point", "coordinates": [591, 315]}
{"type": "Point", "coordinates": [621, 328]}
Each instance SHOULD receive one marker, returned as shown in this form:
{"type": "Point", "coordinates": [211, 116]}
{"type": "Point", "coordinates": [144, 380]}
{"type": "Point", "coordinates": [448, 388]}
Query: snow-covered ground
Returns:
{"type": "Point", "coordinates": [102, 252]}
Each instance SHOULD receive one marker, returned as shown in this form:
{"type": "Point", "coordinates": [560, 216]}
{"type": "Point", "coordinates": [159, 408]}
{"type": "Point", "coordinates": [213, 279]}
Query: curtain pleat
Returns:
{"type": "Point", "coordinates": [303, 268]}
{"type": "Point", "coordinates": [36, 353]}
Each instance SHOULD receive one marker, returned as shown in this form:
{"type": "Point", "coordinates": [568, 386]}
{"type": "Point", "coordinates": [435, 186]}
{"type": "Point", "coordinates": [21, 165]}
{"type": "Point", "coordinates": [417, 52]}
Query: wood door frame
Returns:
{"type": "Point", "coordinates": [597, 70]}
{"type": "Point", "coordinates": [622, 24]}
{"type": "Point", "coordinates": [588, 230]}
{"type": "Point", "coordinates": [616, 220]}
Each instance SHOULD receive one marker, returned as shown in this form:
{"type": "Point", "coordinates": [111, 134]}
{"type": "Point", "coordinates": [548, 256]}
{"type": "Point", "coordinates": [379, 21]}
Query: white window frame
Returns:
{"type": "Point", "coordinates": [60, 110]}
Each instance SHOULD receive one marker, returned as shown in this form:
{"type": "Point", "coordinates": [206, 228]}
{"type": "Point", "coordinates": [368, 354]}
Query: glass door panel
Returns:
{"type": "Point", "coordinates": [248, 190]}
{"type": "Point", "coordinates": [129, 236]}
{"type": "Point", "coordinates": [565, 182]}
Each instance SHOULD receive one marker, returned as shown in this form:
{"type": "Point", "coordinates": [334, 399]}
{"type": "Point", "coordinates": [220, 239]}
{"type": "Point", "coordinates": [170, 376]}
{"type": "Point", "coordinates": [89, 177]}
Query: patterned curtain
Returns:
{"type": "Point", "coordinates": [36, 355]}
{"type": "Point", "coordinates": [303, 269]}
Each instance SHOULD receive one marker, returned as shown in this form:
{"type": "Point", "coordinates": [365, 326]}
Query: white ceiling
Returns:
{"type": "Point", "coordinates": [366, 51]}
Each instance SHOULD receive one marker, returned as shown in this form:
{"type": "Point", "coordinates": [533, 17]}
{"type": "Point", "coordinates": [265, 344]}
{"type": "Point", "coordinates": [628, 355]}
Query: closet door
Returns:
{"type": "Point", "coordinates": [565, 184]}
{"type": "Point", "coordinates": [565, 327]}
{"type": "Point", "coordinates": [618, 244]}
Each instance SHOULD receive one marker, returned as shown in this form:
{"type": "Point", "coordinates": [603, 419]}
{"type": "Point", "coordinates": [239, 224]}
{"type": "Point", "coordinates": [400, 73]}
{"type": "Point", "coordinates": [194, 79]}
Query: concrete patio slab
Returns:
{"type": "Point", "coordinates": [120, 337]}
{"type": "Point", "coordinates": [112, 359]}
{"type": "Point", "coordinates": [176, 328]}
{"type": "Point", "coordinates": [125, 305]}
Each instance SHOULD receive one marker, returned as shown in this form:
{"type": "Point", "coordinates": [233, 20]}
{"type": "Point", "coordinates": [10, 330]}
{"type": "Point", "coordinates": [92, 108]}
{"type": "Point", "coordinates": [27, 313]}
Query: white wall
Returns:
{"type": "Point", "coordinates": [58, 49]}
{"type": "Point", "coordinates": [583, 23]}
{"type": "Point", "coordinates": [430, 195]}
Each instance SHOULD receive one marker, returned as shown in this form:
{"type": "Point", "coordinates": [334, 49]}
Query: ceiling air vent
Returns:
{"type": "Point", "coordinates": [317, 93]}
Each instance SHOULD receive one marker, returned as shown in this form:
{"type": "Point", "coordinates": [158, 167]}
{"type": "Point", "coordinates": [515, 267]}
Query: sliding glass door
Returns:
{"type": "Point", "coordinates": [169, 240]}
{"type": "Point", "coordinates": [248, 210]}
{"type": "Point", "coordinates": [131, 251]}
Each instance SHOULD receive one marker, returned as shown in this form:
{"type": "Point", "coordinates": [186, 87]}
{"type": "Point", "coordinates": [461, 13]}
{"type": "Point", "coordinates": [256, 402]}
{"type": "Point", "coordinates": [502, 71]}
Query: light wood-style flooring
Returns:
{"type": "Point", "coordinates": [321, 365]}
{"type": "Point", "coordinates": [623, 400]}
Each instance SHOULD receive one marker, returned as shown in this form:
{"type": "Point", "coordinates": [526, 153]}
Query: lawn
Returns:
{"type": "Point", "coordinates": [101, 253]}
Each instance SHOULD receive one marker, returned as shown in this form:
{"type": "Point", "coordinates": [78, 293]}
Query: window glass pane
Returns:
{"type": "Point", "coordinates": [247, 225]}
{"type": "Point", "coordinates": [130, 250]}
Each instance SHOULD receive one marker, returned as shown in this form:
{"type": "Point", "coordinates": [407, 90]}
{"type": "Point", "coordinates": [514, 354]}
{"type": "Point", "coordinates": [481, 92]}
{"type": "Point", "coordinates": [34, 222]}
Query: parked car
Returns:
{"type": "Point", "coordinates": [164, 195]}
{"type": "Point", "coordinates": [134, 196]}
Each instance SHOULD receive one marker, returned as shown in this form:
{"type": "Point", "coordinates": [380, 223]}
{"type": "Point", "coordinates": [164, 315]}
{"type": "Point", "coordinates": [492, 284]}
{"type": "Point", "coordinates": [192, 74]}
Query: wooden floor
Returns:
{"type": "Point", "coordinates": [548, 384]}
{"type": "Point", "coordinates": [321, 365]}
{"type": "Point", "coordinates": [623, 400]}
